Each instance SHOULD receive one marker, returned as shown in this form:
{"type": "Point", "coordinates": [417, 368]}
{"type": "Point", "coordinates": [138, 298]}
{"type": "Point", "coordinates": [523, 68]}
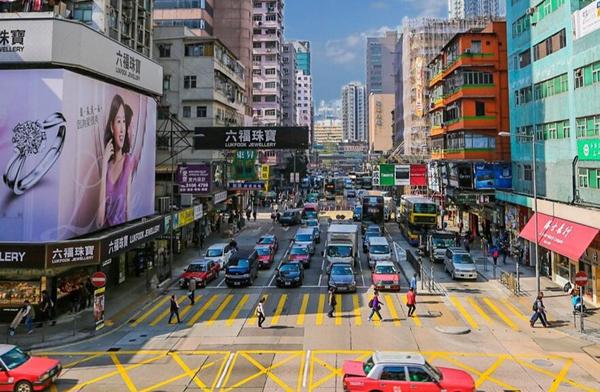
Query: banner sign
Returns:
{"type": "Point", "coordinates": [99, 307]}
{"type": "Point", "coordinates": [246, 186]}
{"type": "Point", "coordinates": [244, 167]}
{"type": "Point", "coordinates": [215, 138]}
{"type": "Point", "coordinates": [588, 149]}
{"type": "Point", "coordinates": [265, 172]}
{"type": "Point", "coordinates": [418, 175]}
{"type": "Point", "coordinates": [586, 20]}
{"type": "Point", "coordinates": [193, 178]}
{"type": "Point", "coordinates": [130, 237]}
{"type": "Point", "coordinates": [72, 253]}
{"type": "Point", "coordinates": [387, 175]}
{"type": "Point", "coordinates": [198, 212]}
{"type": "Point", "coordinates": [375, 179]}
{"type": "Point", "coordinates": [20, 255]}
{"type": "Point", "coordinates": [219, 197]}
{"type": "Point", "coordinates": [402, 175]}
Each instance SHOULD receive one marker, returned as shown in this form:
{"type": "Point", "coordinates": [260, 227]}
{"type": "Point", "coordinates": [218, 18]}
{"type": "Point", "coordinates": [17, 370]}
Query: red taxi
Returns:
{"type": "Point", "coordinates": [23, 373]}
{"type": "Point", "coordinates": [300, 253]}
{"type": "Point", "coordinates": [266, 256]}
{"type": "Point", "coordinates": [397, 371]}
{"type": "Point", "coordinates": [202, 271]}
{"type": "Point", "coordinates": [386, 276]}
{"type": "Point", "coordinates": [269, 239]}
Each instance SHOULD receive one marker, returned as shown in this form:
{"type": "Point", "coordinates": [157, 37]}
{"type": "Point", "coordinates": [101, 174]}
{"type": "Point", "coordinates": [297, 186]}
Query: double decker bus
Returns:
{"type": "Point", "coordinates": [417, 215]}
{"type": "Point", "coordinates": [372, 211]}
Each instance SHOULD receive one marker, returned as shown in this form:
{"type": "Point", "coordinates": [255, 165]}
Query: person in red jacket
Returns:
{"type": "Point", "coordinates": [411, 301]}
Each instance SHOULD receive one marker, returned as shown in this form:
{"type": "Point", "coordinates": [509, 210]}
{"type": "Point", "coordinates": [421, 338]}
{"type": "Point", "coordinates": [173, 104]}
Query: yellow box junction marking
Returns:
{"type": "Point", "coordinates": [220, 309]}
{"type": "Point", "coordinates": [123, 373]}
{"type": "Point", "coordinates": [153, 309]}
{"type": "Point", "coordinates": [500, 314]}
{"type": "Point", "coordinates": [202, 310]}
{"type": "Point", "coordinates": [303, 307]}
{"type": "Point", "coordinates": [356, 306]}
{"type": "Point", "coordinates": [237, 310]}
{"type": "Point", "coordinates": [333, 371]}
{"type": "Point", "coordinates": [320, 309]}
{"type": "Point", "coordinates": [392, 309]}
{"type": "Point", "coordinates": [470, 320]}
{"type": "Point", "coordinates": [489, 371]}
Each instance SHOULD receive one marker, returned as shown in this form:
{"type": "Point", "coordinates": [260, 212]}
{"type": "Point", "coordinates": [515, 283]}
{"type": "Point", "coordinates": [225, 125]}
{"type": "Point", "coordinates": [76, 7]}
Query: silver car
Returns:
{"type": "Point", "coordinates": [459, 264]}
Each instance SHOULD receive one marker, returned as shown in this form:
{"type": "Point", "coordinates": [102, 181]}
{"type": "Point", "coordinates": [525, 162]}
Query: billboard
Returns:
{"type": "Point", "coordinates": [77, 155]}
{"type": "Point", "coordinates": [433, 176]}
{"type": "Point", "coordinates": [503, 175]}
{"type": "Point", "coordinates": [244, 167]}
{"type": "Point", "coordinates": [460, 174]}
{"type": "Point", "coordinates": [484, 175]}
{"type": "Point", "coordinates": [588, 149]}
{"type": "Point", "coordinates": [387, 175]}
{"type": "Point", "coordinates": [587, 19]}
{"type": "Point", "coordinates": [418, 175]}
{"type": "Point", "coordinates": [194, 178]}
{"type": "Point", "coordinates": [402, 175]}
{"type": "Point", "coordinates": [264, 138]}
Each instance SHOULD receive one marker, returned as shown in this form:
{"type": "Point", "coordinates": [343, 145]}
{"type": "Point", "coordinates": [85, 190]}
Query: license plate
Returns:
{"type": "Point", "coordinates": [288, 283]}
{"type": "Point", "coordinates": [387, 286]}
{"type": "Point", "coordinates": [236, 283]}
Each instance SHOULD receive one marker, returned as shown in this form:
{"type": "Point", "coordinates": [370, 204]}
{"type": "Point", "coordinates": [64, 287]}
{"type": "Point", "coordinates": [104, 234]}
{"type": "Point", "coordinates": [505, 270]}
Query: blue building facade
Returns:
{"type": "Point", "coordinates": [554, 99]}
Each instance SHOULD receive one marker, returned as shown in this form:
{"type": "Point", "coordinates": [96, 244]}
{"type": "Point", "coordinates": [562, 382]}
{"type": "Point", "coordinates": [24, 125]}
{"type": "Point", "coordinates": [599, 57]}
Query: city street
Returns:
{"type": "Point", "coordinates": [218, 345]}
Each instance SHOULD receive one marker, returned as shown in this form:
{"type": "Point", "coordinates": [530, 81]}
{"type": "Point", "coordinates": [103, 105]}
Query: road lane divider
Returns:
{"type": "Point", "coordinates": [153, 309]}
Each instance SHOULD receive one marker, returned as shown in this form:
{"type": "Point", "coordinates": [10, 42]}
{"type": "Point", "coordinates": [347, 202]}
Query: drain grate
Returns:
{"type": "Point", "coordinates": [113, 349]}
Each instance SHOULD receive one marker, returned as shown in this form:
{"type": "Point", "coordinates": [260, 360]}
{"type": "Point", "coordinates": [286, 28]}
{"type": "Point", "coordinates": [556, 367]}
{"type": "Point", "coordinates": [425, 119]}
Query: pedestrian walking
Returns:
{"type": "Point", "coordinates": [174, 310]}
{"type": "Point", "coordinates": [253, 215]}
{"type": "Point", "coordinates": [202, 235]}
{"type": "Point", "coordinates": [460, 227]}
{"type": "Point", "coordinates": [46, 306]}
{"type": "Point", "coordinates": [411, 301]}
{"type": "Point", "coordinates": [192, 291]}
{"type": "Point", "coordinates": [28, 315]}
{"type": "Point", "coordinates": [467, 244]}
{"type": "Point", "coordinates": [504, 250]}
{"type": "Point", "coordinates": [89, 287]}
{"type": "Point", "coordinates": [375, 306]}
{"type": "Point", "coordinates": [260, 312]}
{"type": "Point", "coordinates": [332, 302]}
{"type": "Point", "coordinates": [495, 255]}
{"type": "Point", "coordinates": [75, 299]}
{"type": "Point", "coordinates": [539, 311]}
{"type": "Point", "coordinates": [413, 282]}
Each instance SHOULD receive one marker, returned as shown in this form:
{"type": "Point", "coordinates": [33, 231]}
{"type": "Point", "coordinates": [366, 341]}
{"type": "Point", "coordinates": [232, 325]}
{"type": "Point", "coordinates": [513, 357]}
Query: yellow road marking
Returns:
{"type": "Point", "coordinates": [514, 310]}
{"type": "Point", "coordinates": [186, 374]}
{"type": "Point", "coordinates": [262, 370]}
{"type": "Point", "coordinates": [320, 309]}
{"type": "Point", "coordinates": [479, 310]}
{"type": "Point", "coordinates": [333, 371]}
{"type": "Point", "coordinates": [188, 308]}
{"type": "Point", "coordinates": [339, 310]}
{"type": "Point", "coordinates": [153, 309]}
{"type": "Point", "coordinates": [553, 375]}
{"type": "Point", "coordinates": [500, 314]}
{"type": "Point", "coordinates": [166, 312]}
{"type": "Point", "coordinates": [201, 311]}
{"type": "Point", "coordinates": [219, 310]}
{"type": "Point", "coordinates": [392, 309]}
{"type": "Point", "coordinates": [123, 373]}
{"type": "Point", "coordinates": [561, 376]}
{"type": "Point", "coordinates": [279, 309]}
{"type": "Point", "coordinates": [191, 373]}
{"type": "Point", "coordinates": [300, 319]}
{"type": "Point", "coordinates": [470, 320]}
{"type": "Point", "coordinates": [489, 371]}
{"type": "Point", "coordinates": [237, 310]}
{"type": "Point", "coordinates": [53, 388]}
{"type": "Point", "coordinates": [476, 372]}
{"type": "Point", "coordinates": [356, 305]}
{"type": "Point", "coordinates": [415, 318]}
{"type": "Point", "coordinates": [77, 362]}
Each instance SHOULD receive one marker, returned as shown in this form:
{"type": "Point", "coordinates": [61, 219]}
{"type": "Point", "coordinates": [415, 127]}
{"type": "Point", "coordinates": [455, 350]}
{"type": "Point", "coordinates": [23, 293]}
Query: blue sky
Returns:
{"type": "Point", "coordinates": [337, 31]}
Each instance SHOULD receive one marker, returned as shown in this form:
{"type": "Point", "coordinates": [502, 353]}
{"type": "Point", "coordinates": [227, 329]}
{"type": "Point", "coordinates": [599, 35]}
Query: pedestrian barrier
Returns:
{"type": "Point", "coordinates": [510, 281]}
{"type": "Point", "coordinates": [427, 277]}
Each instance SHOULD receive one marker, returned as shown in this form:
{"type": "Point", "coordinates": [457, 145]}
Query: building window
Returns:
{"type": "Point", "coordinates": [550, 87]}
{"type": "Point", "coordinates": [166, 82]}
{"type": "Point", "coordinates": [270, 71]}
{"type": "Point", "coordinates": [257, 86]}
{"type": "Point", "coordinates": [270, 84]}
{"type": "Point", "coordinates": [588, 126]}
{"type": "Point", "coordinates": [201, 111]}
{"type": "Point", "coordinates": [527, 172]}
{"type": "Point", "coordinates": [588, 75]}
{"type": "Point", "coordinates": [270, 98]}
{"type": "Point", "coordinates": [520, 26]}
{"type": "Point", "coordinates": [270, 112]}
{"type": "Point", "coordinates": [257, 45]}
{"type": "Point", "coordinates": [479, 108]}
{"type": "Point", "coordinates": [174, 4]}
{"type": "Point", "coordinates": [524, 58]}
{"type": "Point", "coordinates": [256, 58]}
{"type": "Point", "coordinates": [257, 4]}
{"type": "Point", "coordinates": [256, 98]}
{"type": "Point", "coordinates": [475, 46]}
{"type": "Point", "coordinates": [189, 81]}
{"type": "Point", "coordinates": [550, 45]}
{"type": "Point", "coordinates": [271, 18]}
{"type": "Point", "coordinates": [256, 71]}
{"type": "Point", "coordinates": [164, 50]}
{"type": "Point", "coordinates": [257, 18]}
{"type": "Point", "coordinates": [187, 111]}
{"type": "Point", "coordinates": [583, 176]}
{"type": "Point", "coordinates": [194, 50]}
{"type": "Point", "coordinates": [578, 78]}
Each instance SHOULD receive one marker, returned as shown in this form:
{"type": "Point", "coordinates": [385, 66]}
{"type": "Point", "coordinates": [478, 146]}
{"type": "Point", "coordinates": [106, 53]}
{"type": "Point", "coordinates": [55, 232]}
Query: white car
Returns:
{"type": "Point", "coordinates": [219, 253]}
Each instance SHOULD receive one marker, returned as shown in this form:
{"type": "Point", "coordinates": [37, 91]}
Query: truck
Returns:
{"type": "Point", "coordinates": [342, 244]}
{"type": "Point", "coordinates": [437, 242]}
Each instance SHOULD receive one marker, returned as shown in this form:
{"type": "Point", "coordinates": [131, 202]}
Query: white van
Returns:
{"type": "Point", "coordinates": [379, 250]}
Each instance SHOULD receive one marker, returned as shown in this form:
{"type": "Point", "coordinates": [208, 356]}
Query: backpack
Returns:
{"type": "Point", "coordinates": [534, 307]}
{"type": "Point", "coordinates": [371, 303]}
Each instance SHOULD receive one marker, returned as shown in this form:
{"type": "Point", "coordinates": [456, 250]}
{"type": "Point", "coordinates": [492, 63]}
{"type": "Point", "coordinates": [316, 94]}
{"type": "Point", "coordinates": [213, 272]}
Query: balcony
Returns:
{"type": "Point", "coordinates": [465, 59]}
{"type": "Point", "coordinates": [487, 154]}
{"type": "Point", "coordinates": [471, 122]}
{"type": "Point", "coordinates": [437, 130]}
{"type": "Point", "coordinates": [470, 91]}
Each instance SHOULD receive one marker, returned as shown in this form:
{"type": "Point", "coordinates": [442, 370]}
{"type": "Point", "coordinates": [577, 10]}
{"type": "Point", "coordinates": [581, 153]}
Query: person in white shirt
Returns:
{"type": "Point", "coordinates": [28, 316]}
{"type": "Point", "coordinates": [260, 312]}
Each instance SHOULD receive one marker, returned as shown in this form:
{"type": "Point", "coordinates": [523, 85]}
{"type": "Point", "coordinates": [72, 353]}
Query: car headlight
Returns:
{"type": "Point", "coordinates": [297, 278]}
{"type": "Point", "coordinates": [245, 275]}
{"type": "Point", "coordinates": [44, 376]}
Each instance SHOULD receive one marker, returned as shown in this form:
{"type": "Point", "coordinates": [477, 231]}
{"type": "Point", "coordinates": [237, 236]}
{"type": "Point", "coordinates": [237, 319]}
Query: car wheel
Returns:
{"type": "Point", "coordinates": [23, 386]}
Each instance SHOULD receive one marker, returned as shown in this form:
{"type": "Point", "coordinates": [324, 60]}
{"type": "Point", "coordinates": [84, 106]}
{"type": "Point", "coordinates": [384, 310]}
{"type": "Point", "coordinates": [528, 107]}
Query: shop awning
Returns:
{"type": "Point", "coordinates": [567, 238]}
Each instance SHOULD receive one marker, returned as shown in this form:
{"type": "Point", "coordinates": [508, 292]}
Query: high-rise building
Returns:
{"type": "Point", "coordinates": [304, 106]}
{"type": "Point", "coordinates": [354, 103]}
{"type": "Point", "coordinates": [380, 63]}
{"type": "Point", "coordinates": [328, 131]}
{"type": "Point", "coordinates": [289, 92]}
{"type": "Point", "coordinates": [329, 110]}
{"type": "Point", "coordinates": [267, 59]}
{"type": "Point", "coordinates": [233, 26]}
{"type": "Point", "coordinates": [554, 99]}
{"type": "Point", "coordinates": [465, 9]}
{"type": "Point", "coordinates": [195, 15]}
{"type": "Point", "coordinates": [380, 122]}
{"type": "Point", "coordinates": [302, 56]}
{"type": "Point", "coordinates": [398, 132]}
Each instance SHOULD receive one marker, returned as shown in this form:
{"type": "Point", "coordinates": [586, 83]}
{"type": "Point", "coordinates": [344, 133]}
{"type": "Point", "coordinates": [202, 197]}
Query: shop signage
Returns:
{"type": "Point", "coordinates": [183, 218]}
{"type": "Point", "coordinates": [581, 278]}
{"type": "Point", "coordinates": [244, 165]}
{"type": "Point", "coordinates": [264, 172]}
{"type": "Point", "coordinates": [212, 138]}
{"type": "Point", "coordinates": [99, 307]}
{"type": "Point", "coordinates": [376, 177]}
{"type": "Point", "coordinates": [68, 254]}
{"type": "Point", "coordinates": [586, 20]}
{"type": "Point", "coordinates": [12, 40]}
{"type": "Point", "coordinates": [130, 237]}
{"type": "Point", "coordinates": [588, 149]}
{"type": "Point", "coordinates": [198, 212]}
{"type": "Point", "coordinates": [220, 197]}
{"type": "Point", "coordinates": [402, 175]}
{"type": "Point", "coordinates": [418, 175]}
{"type": "Point", "coordinates": [98, 279]}
{"type": "Point", "coordinates": [193, 178]}
{"type": "Point", "coordinates": [387, 175]}
{"type": "Point", "coordinates": [433, 176]}
{"type": "Point", "coordinates": [464, 198]}
{"type": "Point", "coordinates": [246, 186]}
{"type": "Point", "coordinates": [18, 255]}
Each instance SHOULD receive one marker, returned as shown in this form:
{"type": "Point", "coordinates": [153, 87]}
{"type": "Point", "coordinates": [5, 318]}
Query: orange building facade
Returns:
{"type": "Point", "coordinates": [468, 95]}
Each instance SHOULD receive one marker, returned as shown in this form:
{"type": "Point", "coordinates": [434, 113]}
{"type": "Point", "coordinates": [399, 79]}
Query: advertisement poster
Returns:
{"type": "Point", "coordinates": [194, 178]}
{"type": "Point", "coordinates": [484, 176]}
{"type": "Point", "coordinates": [99, 307]}
{"type": "Point", "coordinates": [402, 175]}
{"type": "Point", "coordinates": [418, 175]}
{"type": "Point", "coordinates": [587, 19]}
{"type": "Point", "coordinates": [77, 155]}
{"type": "Point", "coordinates": [387, 175]}
{"type": "Point", "coordinates": [244, 167]}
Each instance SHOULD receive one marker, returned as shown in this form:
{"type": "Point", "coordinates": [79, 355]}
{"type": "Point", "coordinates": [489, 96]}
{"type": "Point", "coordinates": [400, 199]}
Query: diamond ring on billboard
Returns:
{"type": "Point", "coordinates": [29, 139]}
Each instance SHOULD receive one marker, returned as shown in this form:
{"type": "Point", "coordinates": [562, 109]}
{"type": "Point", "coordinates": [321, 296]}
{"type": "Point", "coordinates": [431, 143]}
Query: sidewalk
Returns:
{"type": "Point", "coordinates": [119, 302]}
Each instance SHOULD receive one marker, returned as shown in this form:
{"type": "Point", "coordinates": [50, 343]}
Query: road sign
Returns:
{"type": "Point", "coordinates": [99, 279]}
{"type": "Point", "coordinates": [581, 278]}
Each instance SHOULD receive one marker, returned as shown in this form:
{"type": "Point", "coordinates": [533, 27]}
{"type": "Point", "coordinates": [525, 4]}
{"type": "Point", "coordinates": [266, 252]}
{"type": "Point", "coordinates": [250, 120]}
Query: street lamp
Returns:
{"type": "Point", "coordinates": [532, 137]}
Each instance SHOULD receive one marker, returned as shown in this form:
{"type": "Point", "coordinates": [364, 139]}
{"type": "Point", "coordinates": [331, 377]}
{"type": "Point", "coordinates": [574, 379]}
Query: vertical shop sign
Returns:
{"type": "Point", "coordinates": [99, 307]}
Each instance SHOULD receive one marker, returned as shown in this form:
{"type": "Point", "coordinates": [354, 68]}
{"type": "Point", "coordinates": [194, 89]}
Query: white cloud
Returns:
{"type": "Point", "coordinates": [352, 47]}
{"type": "Point", "coordinates": [379, 5]}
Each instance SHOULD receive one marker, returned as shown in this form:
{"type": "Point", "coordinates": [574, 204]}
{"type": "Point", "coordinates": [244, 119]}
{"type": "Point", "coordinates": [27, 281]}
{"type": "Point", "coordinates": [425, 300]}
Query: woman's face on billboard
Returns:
{"type": "Point", "coordinates": [119, 128]}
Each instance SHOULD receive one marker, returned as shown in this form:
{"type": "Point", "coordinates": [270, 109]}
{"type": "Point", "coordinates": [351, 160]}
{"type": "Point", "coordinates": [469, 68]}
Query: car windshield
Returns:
{"type": "Point", "coordinates": [425, 208]}
{"type": "Point", "coordinates": [266, 240]}
{"type": "Point", "coordinates": [310, 214]}
{"type": "Point", "coordinates": [214, 253]}
{"type": "Point", "coordinates": [368, 365]}
{"type": "Point", "coordinates": [462, 258]}
{"type": "Point", "coordinates": [379, 249]}
{"type": "Point", "coordinates": [299, 251]}
{"type": "Point", "coordinates": [263, 251]}
{"type": "Point", "coordinates": [443, 242]}
{"type": "Point", "coordinates": [433, 370]}
{"type": "Point", "coordinates": [291, 267]}
{"type": "Point", "coordinates": [385, 269]}
{"type": "Point", "coordinates": [341, 270]}
{"type": "Point", "coordinates": [303, 237]}
{"type": "Point", "coordinates": [197, 268]}
{"type": "Point", "coordinates": [312, 223]}
{"type": "Point", "coordinates": [339, 251]}
{"type": "Point", "coordinates": [288, 214]}
{"type": "Point", "coordinates": [14, 358]}
{"type": "Point", "coordinates": [239, 263]}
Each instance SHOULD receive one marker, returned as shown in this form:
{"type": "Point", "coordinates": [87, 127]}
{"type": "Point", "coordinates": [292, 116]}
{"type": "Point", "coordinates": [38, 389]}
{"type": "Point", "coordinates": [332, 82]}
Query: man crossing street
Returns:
{"type": "Point", "coordinates": [174, 309]}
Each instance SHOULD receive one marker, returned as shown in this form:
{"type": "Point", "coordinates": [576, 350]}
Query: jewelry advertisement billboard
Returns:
{"type": "Point", "coordinates": [77, 155]}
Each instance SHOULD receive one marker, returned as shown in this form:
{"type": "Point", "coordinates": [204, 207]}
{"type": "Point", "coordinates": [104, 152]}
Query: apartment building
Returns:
{"type": "Point", "coordinates": [354, 125]}
{"type": "Point", "coordinates": [197, 15]}
{"type": "Point", "coordinates": [289, 92]}
{"type": "Point", "coordinates": [328, 131]}
{"type": "Point", "coordinates": [464, 9]}
{"type": "Point", "coordinates": [381, 122]}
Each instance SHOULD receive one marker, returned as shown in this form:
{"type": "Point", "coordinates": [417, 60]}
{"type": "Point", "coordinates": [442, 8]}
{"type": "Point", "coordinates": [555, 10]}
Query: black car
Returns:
{"type": "Point", "coordinates": [289, 274]}
{"type": "Point", "coordinates": [242, 268]}
{"type": "Point", "coordinates": [341, 278]}
{"type": "Point", "coordinates": [290, 218]}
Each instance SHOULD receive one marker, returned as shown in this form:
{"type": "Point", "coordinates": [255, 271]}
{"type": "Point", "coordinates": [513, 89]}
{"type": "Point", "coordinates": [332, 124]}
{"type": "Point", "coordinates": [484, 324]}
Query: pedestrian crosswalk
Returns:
{"type": "Point", "coordinates": [304, 309]}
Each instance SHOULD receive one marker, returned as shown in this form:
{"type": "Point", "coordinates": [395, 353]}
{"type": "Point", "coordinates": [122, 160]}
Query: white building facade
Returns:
{"type": "Point", "coordinates": [354, 125]}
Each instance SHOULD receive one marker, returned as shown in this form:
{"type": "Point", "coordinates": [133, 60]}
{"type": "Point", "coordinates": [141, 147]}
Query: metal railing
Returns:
{"type": "Point", "coordinates": [427, 277]}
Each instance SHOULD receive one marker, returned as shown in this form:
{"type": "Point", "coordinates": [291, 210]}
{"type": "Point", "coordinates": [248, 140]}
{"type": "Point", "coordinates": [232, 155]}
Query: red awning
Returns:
{"type": "Point", "coordinates": [559, 235]}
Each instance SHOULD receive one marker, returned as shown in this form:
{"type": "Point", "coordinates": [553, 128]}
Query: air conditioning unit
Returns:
{"type": "Point", "coordinates": [163, 204]}
{"type": "Point", "coordinates": [187, 199]}
{"type": "Point", "coordinates": [530, 11]}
